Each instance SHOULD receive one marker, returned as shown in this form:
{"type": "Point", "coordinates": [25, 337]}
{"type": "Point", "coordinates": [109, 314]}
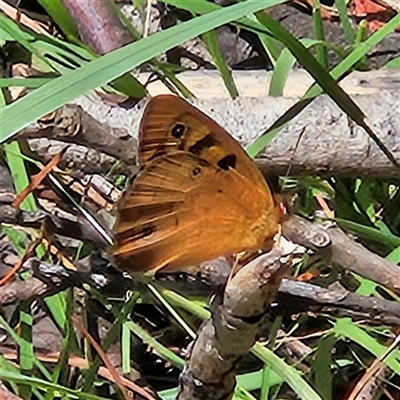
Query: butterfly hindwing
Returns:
{"type": "Point", "coordinates": [171, 216]}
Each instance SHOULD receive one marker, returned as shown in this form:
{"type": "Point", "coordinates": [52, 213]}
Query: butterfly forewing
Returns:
{"type": "Point", "coordinates": [170, 124]}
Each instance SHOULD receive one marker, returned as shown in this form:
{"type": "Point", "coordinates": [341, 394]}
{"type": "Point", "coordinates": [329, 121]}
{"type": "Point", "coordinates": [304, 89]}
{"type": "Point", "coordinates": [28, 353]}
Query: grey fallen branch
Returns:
{"type": "Point", "coordinates": [233, 329]}
{"type": "Point", "coordinates": [17, 291]}
{"type": "Point", "coordinates": [94, 146]}
{"type": "Point", "coordinates": [338, 248]}
{"type": "Point", "coordinates": [297, 296]}
{"type": "Point", "coordinates": [303, 297]}
{"type": "Point", "coordinates": [72, 227]}
{"type": "Point", "coordinates": [321, 139]}
{"type": "Point", "coordinates": [72, 125]}
{"type": "Point", "coordinates": [49, 279]}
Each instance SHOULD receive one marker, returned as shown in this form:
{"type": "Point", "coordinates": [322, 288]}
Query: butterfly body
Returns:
{"type": "Point", "coordinates": [197, 197]}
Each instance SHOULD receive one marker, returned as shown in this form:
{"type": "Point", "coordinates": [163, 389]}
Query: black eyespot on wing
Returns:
{"type": "Point", "coordinates": [178, 130]}
{"type": "Point", "coordinates": [204, 143]}
{"type": "Point", "coordinates": [227, 162]}
{"type": "Point", "coordinates": [196, 171]}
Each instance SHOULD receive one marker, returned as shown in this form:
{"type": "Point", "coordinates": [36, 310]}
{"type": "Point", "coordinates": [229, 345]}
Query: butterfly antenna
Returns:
{"type": "Point", "coordinates": [295, 149]}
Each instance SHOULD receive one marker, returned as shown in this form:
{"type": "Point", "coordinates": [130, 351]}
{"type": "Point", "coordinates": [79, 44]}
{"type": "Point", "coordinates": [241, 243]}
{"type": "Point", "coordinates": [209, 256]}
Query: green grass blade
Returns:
{"type": "Point", "coordinates": [291, 376]}
{"type": "Point", "coordinates": [49, 97]}
{"type": "Point", "coordinates": [211, 41]}
{"type": "Point", "coordinates": [171, 310]}
{"type": "Point", "coordinates": [163, 351]}
{"type": "Point", "coordinates": [23, 38]}
{"type": "Point", "coordinates": [203, 7]}
{"type": "Point", "coordinates": [18, 171]}
{"type": "Point", "coordinates": [324, 79]}
{"type": "Point", "coordinates": [9, 376]}
{"type": "Point", "coordinates": [19, 341]}
{"type": "Point", "coordinates": [393, 64]}
{"type": "Point", "coordinates": [7, 365]}
{"type": "Point", "coordinates": [278, 367]}
{"type": "Point", "coordinates": [394, 255]}
{"type": "Point", "coordinates": [24, 82]}
{"type": "Point", "coordinates": [283, 65]}
{"type": "Point", "coordinates": [319, 34]}
{"type": "Point", "coordinates": [61, 17]}
{"type": "Point", "coordinates": [250, 382]}
{"type": "Point", "coordinates": [179, 301]}
{"type": "Point", "coordinates": [321, 366]}
{"type": "Point", "coordinates": [125, 349]}
{"type": "Point", "coordinates": [25, 350]}
{"type": "Point", "coordinates": [345, 21]}
{"type": "Point", "coordinates": [312, 66]}
{"type": "Point", "coordinates": [345, 327]}
{"type": "Point", "coordinates": [370, 233]}
{"type": "Point", "coordinates": [111, 337]}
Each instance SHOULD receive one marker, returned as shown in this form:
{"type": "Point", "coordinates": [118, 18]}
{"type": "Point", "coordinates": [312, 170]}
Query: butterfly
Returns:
{"type": "Point", "coordinates": [198, 194]}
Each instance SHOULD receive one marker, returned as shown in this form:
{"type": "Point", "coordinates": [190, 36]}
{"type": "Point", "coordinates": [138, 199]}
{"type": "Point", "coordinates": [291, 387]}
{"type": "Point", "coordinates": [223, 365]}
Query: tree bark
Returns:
{"type": "Point", "coordinates": [233, 329]}
{"type": "Point", "coordinates": [321, 139]}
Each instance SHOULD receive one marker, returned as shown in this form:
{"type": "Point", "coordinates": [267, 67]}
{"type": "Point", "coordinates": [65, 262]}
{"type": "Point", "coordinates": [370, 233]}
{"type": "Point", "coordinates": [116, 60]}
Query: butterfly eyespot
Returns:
{"type": "Point", "coordinates": [227, 162]}
{"type": "Point", "coordinates": [178, 130]}
{"type": "Point", "coordinates": [196, 171]}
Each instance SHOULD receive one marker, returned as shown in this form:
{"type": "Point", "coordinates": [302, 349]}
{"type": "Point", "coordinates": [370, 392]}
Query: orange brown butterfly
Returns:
{"type": "Point", "coordinates": [198, 195]}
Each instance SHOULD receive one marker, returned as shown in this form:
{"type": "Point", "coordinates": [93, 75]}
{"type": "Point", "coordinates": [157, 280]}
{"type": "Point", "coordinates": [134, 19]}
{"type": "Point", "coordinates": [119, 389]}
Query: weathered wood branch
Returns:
{"type": "Point", "coordinates": [71, 125]}
{"type": "Point", "coordinates": [321, 139]}
{"type": "Point", "coordinates": [296, 297]}
{"type": "Point", "coordinates": [233, 329]}
{"type": "Point", "coordinates": [340, 249]}
{"type": "Point", "coordinates": [17, 291]}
